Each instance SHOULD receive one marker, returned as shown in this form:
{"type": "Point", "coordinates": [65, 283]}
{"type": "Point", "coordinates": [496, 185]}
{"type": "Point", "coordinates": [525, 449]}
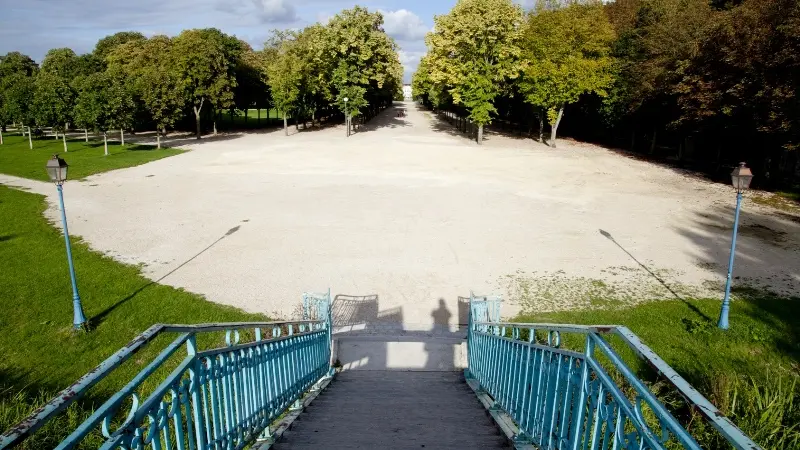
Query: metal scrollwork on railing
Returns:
{"type": "Point", "coordinates": [567, 399]}
{"type": "Point", "coordinates": [224, 397]}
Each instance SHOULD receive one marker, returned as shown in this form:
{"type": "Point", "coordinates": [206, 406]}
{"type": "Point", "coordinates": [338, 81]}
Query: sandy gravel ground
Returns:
{"type": "Point", "coordinates": [415, 215]}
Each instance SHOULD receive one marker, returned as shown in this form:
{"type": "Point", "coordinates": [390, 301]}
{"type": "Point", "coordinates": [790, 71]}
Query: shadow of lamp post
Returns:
{"type": "Point", "coordinates": [57, 171]}
{"type": "Point", "coordinates": [741, 178]}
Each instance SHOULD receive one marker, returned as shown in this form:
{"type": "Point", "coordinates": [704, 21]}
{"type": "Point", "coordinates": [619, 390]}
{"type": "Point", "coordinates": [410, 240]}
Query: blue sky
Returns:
{"type": "Point", "coordinates": [35, 26]}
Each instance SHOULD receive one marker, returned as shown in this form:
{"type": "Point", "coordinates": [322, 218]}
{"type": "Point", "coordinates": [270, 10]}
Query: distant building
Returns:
{"type": "Point", "coordinates": [407, 92]}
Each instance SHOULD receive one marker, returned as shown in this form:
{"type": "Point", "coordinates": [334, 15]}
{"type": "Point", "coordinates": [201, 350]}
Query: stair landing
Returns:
{"type": "Point", "coordinates": [394, 410]}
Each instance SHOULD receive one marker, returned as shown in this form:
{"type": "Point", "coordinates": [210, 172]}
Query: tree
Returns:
{"type": "Point", "coordinates": [108, 44]}
{"type": "Point", "coordinates": [53, 102]}
{"type": "Point", "coordinates": [742, 86]}
{"type": "Point", "coordinates": [568, 54]}
{"type": "Point", "coordinates": [16, 71]}
{"type": "Point", "coordinates": [61, 62]}
{"type": "Point", "coordinates": [361, 59]}
{"type": "Point", "coordinates": [16, 62]}
{"type": "Point", "coordinates": [203, 61]}
{"type": "Point", "coordinates": [284, 75]}
{"type": "Point", "coordinates": [311, 48]}
{"type": "Point", "coordinates": [252, 88]}
{"type": "Point", "coordinates": [474, 50]}
{"type": "Point", "coordinates": [5, 117]}
{"type": "Point", "coordinates": [149, 69]}
{"type": "Point", "coordinates": [17, 90]}
{"type": "Point", "coordinates": [104, 103]}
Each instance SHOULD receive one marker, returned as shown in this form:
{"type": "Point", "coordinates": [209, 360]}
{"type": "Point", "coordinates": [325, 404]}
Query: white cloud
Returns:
{"type": "Point", "coordinates": [403, 25]}
{"type": "Point", "coordinates": [410, 61]}
{"type": "Point", "coordinates": [275, 11]}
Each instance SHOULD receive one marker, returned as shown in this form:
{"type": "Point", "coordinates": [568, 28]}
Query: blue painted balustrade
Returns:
{"type": "Point", "coordinates": [218, 398]}
{"type": "Point", "coordinates": [543, 393]}
{"type": "Point", "coordinates": [562, 399]}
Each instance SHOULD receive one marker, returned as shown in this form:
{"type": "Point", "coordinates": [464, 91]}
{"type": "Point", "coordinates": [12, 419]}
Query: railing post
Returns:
{"type": "Point", "coordinates": [195, 388]}
{"type": "Point", "coordinates": [329, 321]}
{"type": "Point", "coordinates": [584, 392]}
{"type": "Point", "coordinates": [470, 345]}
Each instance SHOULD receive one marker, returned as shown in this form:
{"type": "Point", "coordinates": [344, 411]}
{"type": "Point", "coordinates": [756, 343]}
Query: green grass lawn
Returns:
{"type": "Point", "coordinates": [751, 371]}
{"type": "Point", "coordinates": [84, 159]}
{"type": "Point", "coordinates": [40, 353]}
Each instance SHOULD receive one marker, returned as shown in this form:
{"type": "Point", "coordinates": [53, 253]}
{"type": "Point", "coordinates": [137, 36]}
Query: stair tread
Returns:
{"type": "Point", "coordinates": [395, 410]}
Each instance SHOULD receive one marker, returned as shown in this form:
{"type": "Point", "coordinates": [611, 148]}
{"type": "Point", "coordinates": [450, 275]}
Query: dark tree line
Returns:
{"type": "Point", "coordinates": [701, 83]}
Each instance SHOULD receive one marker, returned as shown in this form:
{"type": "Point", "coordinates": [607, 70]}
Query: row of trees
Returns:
{"type": "Point", "coordinates": [704, 82]}
{"type": "Point", "coordinates": [132, 82]}
{"type": "Point", "coordinates": [317, 68]}
{"type": "Point", "coordinates": [486, 52]}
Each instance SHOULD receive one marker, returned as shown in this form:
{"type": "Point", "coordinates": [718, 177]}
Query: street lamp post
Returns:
{"type": "Point", "coordinates": [57, 170]}
{"type": "Point", "coordinates": [346, 117]}
{"type": "Point", "coordinates": [741, 178]}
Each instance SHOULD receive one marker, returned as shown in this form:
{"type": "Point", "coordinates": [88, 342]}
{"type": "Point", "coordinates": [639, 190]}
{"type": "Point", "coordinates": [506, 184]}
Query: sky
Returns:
{"type": "Point", "coordinates": [35, 26]}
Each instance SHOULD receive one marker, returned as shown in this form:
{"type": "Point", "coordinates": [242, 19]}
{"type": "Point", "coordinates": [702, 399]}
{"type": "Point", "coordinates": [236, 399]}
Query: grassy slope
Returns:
{"type": "Point", "coordinates": [39, 350]}
{"type": "Point", "coordinates": [764, 334]}
{"type": "Point", "coordinates": [85, 159]}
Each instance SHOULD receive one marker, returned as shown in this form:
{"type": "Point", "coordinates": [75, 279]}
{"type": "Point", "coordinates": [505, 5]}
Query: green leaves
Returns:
{"type": "Point", "coordinates": [472, 53]}
{"type": "Point", "coordinates": [16, 90]}
{"type": "Point", "coordinates": [567, 53]}
{"type": "Point", "coordinates": [350, 57]}
{"type": "Point", "coordinates": [104, 103]}
{"type": "Point", "coordinates": [52, 101]}
{"type": "Point", "coordinates": [284, 74]}
{"type": "Point", "coordinates": [204, 60]}
{"type": "Point", "coordinates": [363, 59]}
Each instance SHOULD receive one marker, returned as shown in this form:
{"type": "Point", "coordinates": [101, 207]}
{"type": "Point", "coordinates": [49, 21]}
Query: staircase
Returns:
{"type": "Point", "coordinates": [309, 384]}
{"type": "Point", "coordinates": [394, 410]}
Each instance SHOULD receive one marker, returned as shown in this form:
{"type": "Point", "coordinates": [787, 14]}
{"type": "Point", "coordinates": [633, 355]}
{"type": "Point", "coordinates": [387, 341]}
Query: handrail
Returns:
{"type": "Point", "coordinates": [521, 341]}
{"type": "Point", "coordinates": [296, 352]}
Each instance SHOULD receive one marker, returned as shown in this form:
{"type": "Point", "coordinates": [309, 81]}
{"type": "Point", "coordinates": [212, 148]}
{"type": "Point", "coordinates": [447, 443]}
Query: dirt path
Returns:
{"type": "Point", "coordinates": [411, 212]}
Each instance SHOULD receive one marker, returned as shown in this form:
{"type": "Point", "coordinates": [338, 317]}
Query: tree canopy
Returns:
{"type": "Point", "coordinates": [705, 82]}
{"type": "Point", "coordinates": [472, 53]}
{"type": "Point", "coordinates": [567, 53]}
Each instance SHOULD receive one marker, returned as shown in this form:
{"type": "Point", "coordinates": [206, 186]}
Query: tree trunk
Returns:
{"type": "Point", "coordinates": [86, 134]}
{"type": "Point", "coordinates": [554, 127]}
{"type": "Point", "coordinates": [64, 138]}
{"type": "Point", "coordinates": [1, 136]}
{"type": "Point", "coordinates": [105, 142]}
{"type": "Point", "coordinates": [197, 116]}
{"type": "Point", "coordinates": [541, 126]}
{"type": "Point", "coordinates": [480, 134]}
{"type": "Point", "coordinates": [653, 142]}
{"type": "Point", "coordinates": [285, 124]}
{"type": "Point", "coordinates": [215, 127]}
{"type": "Point", "coordinates": [30, 142]}
{"type": "Point", "coordinates": [122, 136]}
{"type": "Point", "coordinates": [313, 117]}
{"type": "Point", "coordinates": [158, 139]}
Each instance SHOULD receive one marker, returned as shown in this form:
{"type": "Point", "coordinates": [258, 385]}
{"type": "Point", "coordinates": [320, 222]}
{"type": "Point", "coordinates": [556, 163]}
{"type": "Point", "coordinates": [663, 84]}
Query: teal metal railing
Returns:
{"type": "Point", "coordinates": [563, 399]}
{"type": "Point", "coordinates": [216, 398]}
